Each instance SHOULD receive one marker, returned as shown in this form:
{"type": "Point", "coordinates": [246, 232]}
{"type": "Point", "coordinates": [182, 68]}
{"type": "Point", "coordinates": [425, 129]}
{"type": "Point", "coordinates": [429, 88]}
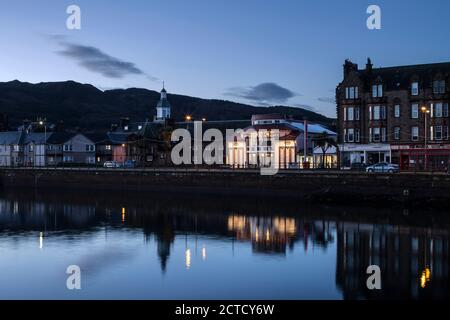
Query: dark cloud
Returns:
{"type": "Point", "coordinates": [327, 100]}
{"type": "Point", "coordinates": [95, 60]}
{"type": "Point", "coordinates": [264, 93]}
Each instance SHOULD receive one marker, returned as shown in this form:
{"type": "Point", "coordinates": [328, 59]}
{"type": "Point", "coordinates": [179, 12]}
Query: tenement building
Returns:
{"type": "Point", "coordinates": [394, 114]}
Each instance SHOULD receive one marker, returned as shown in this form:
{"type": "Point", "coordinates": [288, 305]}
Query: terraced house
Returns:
{"type": "Point", "coordinates": [394, 114]}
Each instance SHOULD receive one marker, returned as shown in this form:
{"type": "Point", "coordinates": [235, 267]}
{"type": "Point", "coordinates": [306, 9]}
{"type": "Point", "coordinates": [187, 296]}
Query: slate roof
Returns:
{"type": "Point", "coordinates": [11, 137]}
{"type": "Point", "coordinates": [400, 77]}
{"type": "Point", "coordinates": [99, 138]}
{"type": "Point", "coordinates": [36, 137]}
{"type": "Point", "coordinates": [60, 137]}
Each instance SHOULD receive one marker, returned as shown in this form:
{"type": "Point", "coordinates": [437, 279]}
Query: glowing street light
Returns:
{"type": "Point", "coordinates": [425, 111]}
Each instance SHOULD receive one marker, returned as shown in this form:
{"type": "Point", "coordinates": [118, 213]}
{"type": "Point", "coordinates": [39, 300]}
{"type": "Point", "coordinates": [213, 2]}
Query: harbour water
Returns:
{"type": "Point", "coordinates": [181, 246]}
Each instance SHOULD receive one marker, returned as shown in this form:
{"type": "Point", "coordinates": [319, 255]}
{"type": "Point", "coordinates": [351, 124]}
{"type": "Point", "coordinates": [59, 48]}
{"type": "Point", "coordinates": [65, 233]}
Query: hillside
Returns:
{"type": "Point", "coordinates": [86, 107]}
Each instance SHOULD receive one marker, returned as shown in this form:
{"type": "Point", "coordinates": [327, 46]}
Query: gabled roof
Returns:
{"type": "Point", "coordinates": [36, 137]}
{"type": "Point", "coordinates": [60, 137]}
{"type": "Point", "coordinates": [98, 138]}
{"type": "Point", "coordinates": [11, 137]}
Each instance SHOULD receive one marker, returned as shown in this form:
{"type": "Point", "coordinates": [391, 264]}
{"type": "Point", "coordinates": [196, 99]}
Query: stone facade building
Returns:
{"type": "Point", "coordinates": [395, 114]}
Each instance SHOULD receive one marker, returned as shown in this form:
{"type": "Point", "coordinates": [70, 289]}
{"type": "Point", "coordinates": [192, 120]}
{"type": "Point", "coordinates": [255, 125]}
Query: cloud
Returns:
{"type": "Point", "coordinates": [327, 100]}
{"type": "Point", "coordinates": [264, 93]}
{"type": "Point", "coordinates": [95, 60]}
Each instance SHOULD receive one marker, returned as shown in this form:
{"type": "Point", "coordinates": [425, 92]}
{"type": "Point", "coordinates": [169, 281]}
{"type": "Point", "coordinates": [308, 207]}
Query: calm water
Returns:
{"type": "Point", "coordinates": [190, 247]}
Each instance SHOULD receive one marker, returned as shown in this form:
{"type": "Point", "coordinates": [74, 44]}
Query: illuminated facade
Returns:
{"type": "Point", "coordinates": [274, 138]}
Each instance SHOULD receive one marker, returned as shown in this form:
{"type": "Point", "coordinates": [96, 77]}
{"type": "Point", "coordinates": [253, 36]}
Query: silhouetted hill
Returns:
{"type": "Point", "coordinates": [86, 107]}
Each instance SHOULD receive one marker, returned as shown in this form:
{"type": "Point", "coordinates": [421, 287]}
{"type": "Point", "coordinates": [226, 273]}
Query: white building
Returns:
{"type": "Point", "coordinates": [163, 108]}
{"type": "Point", "coordinates": [256, 146]}
{"type": "Point", "coordinates": [10, 148]}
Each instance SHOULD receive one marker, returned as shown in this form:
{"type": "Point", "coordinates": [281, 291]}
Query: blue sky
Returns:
{"type": "Point", "coordinates": [254, 51]}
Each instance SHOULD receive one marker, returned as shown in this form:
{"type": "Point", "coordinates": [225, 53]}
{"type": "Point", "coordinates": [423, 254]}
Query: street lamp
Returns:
{"type": "Point", "coordinates": [425, 112]}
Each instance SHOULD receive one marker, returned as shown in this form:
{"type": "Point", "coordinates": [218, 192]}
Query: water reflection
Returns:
{"type": "Point", "coordinates": [412, 250]}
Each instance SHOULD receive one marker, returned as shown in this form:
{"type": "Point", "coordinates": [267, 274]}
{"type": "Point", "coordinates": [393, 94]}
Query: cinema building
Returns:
{"type": "Point", "coordinates": [394, 114]}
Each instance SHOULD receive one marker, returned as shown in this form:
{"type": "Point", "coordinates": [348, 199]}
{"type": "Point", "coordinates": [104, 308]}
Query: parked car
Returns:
{"type": "Point", "coordinates": [357, 166]}
{"type": "Point", "coordinates": [111, 164]}
{"type": "Point", "coordinates": [383, 167]}
{"type": "Point", "coordinates": [129, 164]}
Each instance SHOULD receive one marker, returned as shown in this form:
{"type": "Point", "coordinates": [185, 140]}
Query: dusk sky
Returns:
{"type": "Point", "coordinates": [260, 52]}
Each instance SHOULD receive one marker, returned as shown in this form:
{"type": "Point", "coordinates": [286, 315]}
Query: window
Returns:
{"type": "Point", "coordinates": [415, 88]}
{"type": "Point", "coordinates": [445, 132]}
{"type": "Point", "coordinates": [439, 86]}
{"type": "Point", "coordinates": [377, 90]}
{"type": "Point", "coordinates": [351, 93]}
{"type": "Point", "coordinates": [125, 128]}
{"type": "Point", "coordinates": [357, 113]}
{"type": "Point", "coordinates": [415, 111]}
{"type": "Point", "coordinates": [370, 113]}
{"type": "Point", "coordinates": [397, 111]}
{"type": "Point", "coordinates": [68, 147]}
{"type": "Point", "coordinates": [67, 159]}
{"type": "Point", "coordinates": [376, 113]}
{"type": "Point", "coordinates": [383, 134]}
{"type": "Point", "coordinates": [356, 135]}
{"type": "Point", "coordinates": [345, 135]}
{"type": "Point", "coordinates": [415, 133]}
{"type": "Point", "coordinates": [345, 114]}
{"type": "Point", "coordinates": [397, 133]}
{"type": "Point", "coordinates": [108, 147]}
{"type": "Point", "coordinates": [438, 132]}
{"type": "Point", "coordinates": [383, 112]}
{"type": "Point", "coordinates": [445, 110]}
{"type": "Point", "coordinates": [31, 148]}
{"type": "Point", "coordinates": [90, 147]}
{"type": "Point", "coordinates": [376, 135]}
{"type": "Point", "coordinates": [351, 135]}
{"type": "Point", "coordinates": [350, 115]}
{"type": "Point", "coordinates": [437, 110]}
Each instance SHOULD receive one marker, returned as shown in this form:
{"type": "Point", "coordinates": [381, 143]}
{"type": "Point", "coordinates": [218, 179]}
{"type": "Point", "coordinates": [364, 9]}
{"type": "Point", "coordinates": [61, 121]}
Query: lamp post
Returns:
{"type": "Point", "coordinates": [42, 123]}
{"type": "Point", "coordinates": [425, 111]}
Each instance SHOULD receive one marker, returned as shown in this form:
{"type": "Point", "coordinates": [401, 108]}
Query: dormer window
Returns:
{"type": "Point", "coordinates": [377, 90]}
{"type": "Point", "coordinates": [415, 88]}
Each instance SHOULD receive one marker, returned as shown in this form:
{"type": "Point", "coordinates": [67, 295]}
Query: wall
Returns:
{"type": "Point", "coordinates": [345, 187]}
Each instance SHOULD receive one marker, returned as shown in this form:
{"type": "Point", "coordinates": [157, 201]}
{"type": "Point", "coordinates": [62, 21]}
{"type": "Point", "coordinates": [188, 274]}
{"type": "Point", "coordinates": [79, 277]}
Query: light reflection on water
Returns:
{"type": "Point", "coordinates": [186, 247]}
